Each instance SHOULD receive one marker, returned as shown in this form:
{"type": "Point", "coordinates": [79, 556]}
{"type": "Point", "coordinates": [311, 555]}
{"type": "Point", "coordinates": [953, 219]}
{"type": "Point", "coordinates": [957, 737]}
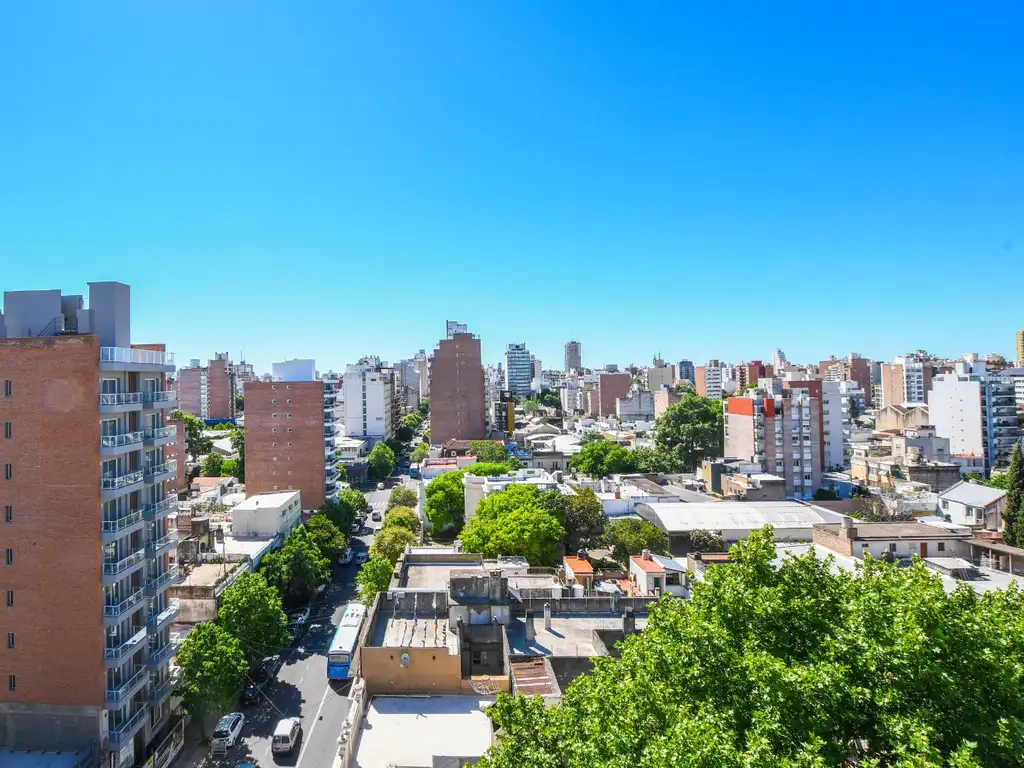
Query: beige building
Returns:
{"type": "Point", "coordinates": [892, 418]}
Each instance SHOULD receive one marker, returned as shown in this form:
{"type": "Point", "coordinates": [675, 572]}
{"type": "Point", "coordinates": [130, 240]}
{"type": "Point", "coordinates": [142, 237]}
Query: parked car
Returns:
{"type": "Point", "coordinates": [376, 516]}
{"type": "Point", "coordinates": [299, 617]}
{"type": "Point", "coordinates": [286, 735]}
{"type": "Point", "coordinates": [361, 558]}
{"type": "Point", "coordinates": [260, 678]}
{"type": "Point", "coordinates": [380, 486]}
{"type": "Point", "coordinates": [356, 528]}
{"type": "Point", "coordinates": [346, 557]}
{"type": "Point", "coordinates": [228, 728]}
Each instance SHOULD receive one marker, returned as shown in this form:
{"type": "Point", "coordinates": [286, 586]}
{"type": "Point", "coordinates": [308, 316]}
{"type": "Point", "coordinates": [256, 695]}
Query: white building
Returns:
{"type": "Point", "coordinates": [451, 327]}
{"type": "Point", "coordinates": [658, 377]}
{"type": "Point", "coordinates": [519, 369]}
{"type": "Point", "coordinates": [369, 391]}
{"type": "Point", "coordinates": [832, 423]}
{"type": "Point", "coordinates": [423, 369]}
{"type": "Point", "coordinates": [713, 377]}
{"type": "Point", "coordinates": [977, 506]}
{"type": "Point", "coordinates": [268, 514]}
{"type": "Point", "coordinates": [478, 488]}
{"type": "Point", "coordinates": [572, 396]}
{"type": "Point", "coordinates": [294, 370]}
{"type": "Point", "coordinates": [637, 406]}
{"type": "Point", "coordinates": [778, 360]}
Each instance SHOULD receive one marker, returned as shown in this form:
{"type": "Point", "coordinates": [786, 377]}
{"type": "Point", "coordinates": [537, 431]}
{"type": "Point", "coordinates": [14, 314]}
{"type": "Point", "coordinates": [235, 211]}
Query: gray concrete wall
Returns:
{"type": "Point", "coordinates": [110, 307]}
{"type": "Point", "coordinates": [26, 313]}
{"type": "Point", "coordinates": [48, 726]}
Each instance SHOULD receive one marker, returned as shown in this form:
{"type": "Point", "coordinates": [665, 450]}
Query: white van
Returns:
{"type": "Point", "coordinates": [286, 735]}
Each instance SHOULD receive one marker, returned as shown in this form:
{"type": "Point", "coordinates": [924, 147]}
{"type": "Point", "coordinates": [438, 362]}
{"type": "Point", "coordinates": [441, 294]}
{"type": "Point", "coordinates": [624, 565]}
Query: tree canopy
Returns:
{"type": "Point", "coordinates": [692, 430]}
{"type": "Point", "coordinates": [600, 458]}
{"type": "Point", "coordinates": [374, 576]}
{"type": "Point", "coordinates": [514, 522]}
{"type": "Point", "coordinates": [356, 500]}
{"type": "Point", "coordinates": [631, 537]}
{"type": "Point", "coordinates": [381, 460]}
{"type": "Point", "coordinates": [238, 443]}
{"type": "Point", "coordinates": [487, 451]}
{"type": "Point", "coordinates": [584, 520]}
{"type": "Point", "coordinates": [795, 666]}
{"type": "Point", "coordinates": [212, 666]}
{"type": "Point", "coordinates": [196, 444]}
{"type": "Point", "coordinates": [1013, 530]}
{"type": "Point", "coordinates": [391, 541]}
{"type": "Point", "coordinates": [490, 468]}
{"type": "Point", "coordinates": [401, 496]}
{"type": "Point", "coordinates": [419, 453]}
{"type": "Point", "coordinates": [424, 405]}
{"type": "Point", "coordinates": [403, 517]}
{"type": "Point", "coordinates": [705, 541]}
{"type": "Point", "coordinates": [297, 568]}
{"type": "Point", "coordinates": [403, 434]}
{"type": "Point", "coordinates": [212, 465]}
{"type": "Point", "coordinates": [327, 536]}
{"type": "Point", "coordinates": [339, 511]}
{"type": "Point", "coordinates": [655, 459]}
{"type": "Point", "coordinates": [251, 611]}
{"type": "Point", "coordinates": [445, 501]}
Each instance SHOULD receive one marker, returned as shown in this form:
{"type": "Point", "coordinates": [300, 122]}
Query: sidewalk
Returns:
{"type": "Point", "coordinates": [193, 754]}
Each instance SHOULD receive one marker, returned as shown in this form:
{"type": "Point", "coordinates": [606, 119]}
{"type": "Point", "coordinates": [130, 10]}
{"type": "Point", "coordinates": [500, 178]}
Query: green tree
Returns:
{"type": "Point", "coordinates": [489, 469]}
{"type": "Point", "coordinates": [212, 465]}
{"type": "Point", "coordinates": [420, 452]}
{"type": "Point", "coordinates": [403, 434]}
{"type": "Point", "coordinates": [1013, 529]}
{"type": "Point", "coordinates": [390, 542]}
{"type": "Point", "coordinates": [685, 389]}
{"type": "Point", "coordinates": [853, 408]}
{"type": "Point", "coordinates": [196, 444]}
{"type": "Point", "coordinates": [357, 501]}
{"type": "Point", "coordinates": [381, 460]}
{"type": "Point", "coordinates": [297, 568]}
{"type": "Point", "coordinates": [212, 669]}
{"type": "Point", "coordinates": [692, 430]}
{"type": "Point", "coordinates": [424, 406]}
{"type": "Point", "coordinates": [342, 473]}
{"type": "Point", "coordinates": [374, 576]}
{"type": "Point", "coordinates": [445, 501]}
{"type": "Point", "coordinates": [327, 537]}
{"type": "Point", "coordinates": [705, 541]}
{"type": "Point", "coordinates": [403, 517]}
{"type": "Point", "coordinates": [590, 436]}
{"type": "Point", "coordinates": [339, 511]}
{"type": "Point", "coordinates": [531, 404]}
{"type": "Point", "coordinates": [251, 611]}
{"type": "Point", "coordinates": [401, 496]}
{"type": "Point", "coordinates": [656, 459]}
{"type": "Point", "coordinates": [551, 398]}
{"type": "Point", "coordinates": [228, 467]}
{"type": "Point", "coordinates": [631, 537]}
{"type": "Point", "coordinates": [426, 436]}
{"type": "Point", "coordinates": [584, 520]}
{"type": "Point", "coordinates": [240, 403]}
{"type": "Point", "coordinates": [793, 666]}
{"type": "Point", "coordinates": [601, 458]}
{"type": "Point", "coordinates": [523, 529]}
{"type": "Point", "coordinates": [487, 451]}
{"type": "Point", "coordinates": [413, 421]}
{"type": "Point", "coordinates": [238, 443]}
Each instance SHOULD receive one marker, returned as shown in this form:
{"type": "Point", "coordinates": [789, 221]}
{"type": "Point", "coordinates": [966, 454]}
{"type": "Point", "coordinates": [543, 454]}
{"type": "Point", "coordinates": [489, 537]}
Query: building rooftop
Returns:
{"type": "Point", "coordinates": [420, 632]}
{"type": "Point", "coordinates": [532, 677]}
{"type": "Point", "coordinates": [681, 517]}
{"type": "Point", "coordinates": [578, 564]}
{"type": "Point", "coordinates": [267, 500]}
{"type": "Point", "coordinates": [648, 487]}
{"type": "Point", "coordinates": [972, 493]}
{"type": "Point", "coordinates": [434, 575]}
{"type": "Point", "coordinates": [691, 496]}
{"type": "Point", "coordinates": [571, 634]}
{"type": "Point", "coordinates": [648, 566]}
{"type": "Point", "coordinates": [420, 732]}
{"type": "Point", "coordinates": [209, 574]}
{"type": "Point", "coordinates": [890, 531]}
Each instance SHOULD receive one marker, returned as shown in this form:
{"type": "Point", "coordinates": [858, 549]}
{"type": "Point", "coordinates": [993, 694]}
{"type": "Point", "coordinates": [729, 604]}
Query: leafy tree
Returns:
{"type": "Point", "coordinates": [240, 403]}
{"type": "Point", "coordinates": [601, 458]}
{"type": "Point", "coordinates": [419, 453]}
{"type": "Point", "coordinates": [531, 405]}
{"type": "Point", "coordinates": [357, 501]}
{"type": "Point", "coordinates": [327, 537]}
{"type": "Point", "coordinates": [426, 436]}
{"type": "Point", "coordinates": [413, 420]}
{"type": "Point", "coordinates": [381, 460]}
{"type": "Point", "coordinates": [222, 426]}
{"type": "Point", "coordinates": [489, 469]}
{"type": "Point", "coordinates": [705, 541]}
{"type": "Point", "coordinates": [196, 443]}
{"type": "Point", "coordinates": [656, 459]}
{"type": "Point", "coordinates": [1013, 531]}
{"type": "Point", "coordinates": [445, 501]}
{"type": "Point", "coordinates": [514, 526]}
{"type": "Point", "coordinates": [391, 542]}
{"type": "Point", "coordinates": [238, 443]}
{"type": "Point", "coordinates": [297, 568]}
{"type": "Point", "coordinates": [212, 465]}
{"type": "Point", "coordinates": [403, 434]}
{"type": "Point", "coordinates": [584, 520]}
{"type": "Point", "coordinates": [793, 666]}
{"type": "Point", "coordinates": [340, 512]}
{"type": "Point", "coordinates": [401, 496]}
{"type": "Point", "coordinates": [374, 576]}
{"type": "Point", "coordinates": [403, 517]}
{"type": "Point", "coordinates": [251, 611]}
{"type": "Point", "coordinates": [228, 467]}
{"type": "Point", "coordinates": [487, 451]}
{"type": "Point", "coordinates": [685, 389]}
{"type": "Point", "coordinates": [590, 436]}
{"type": "Point", "coordinates": [824, 494]}
{"type": "Point", "coordinates": [631, 537]}
{"type": "Point", "coordinates": [212, 669]}
{"type": "Point", "coordinates": [424, 406]}
{"type": "Point", "coordinates": [692, 429]}
{"type": "Point", "coordinates": [342, 473]}
{"type": "Point", "coordinates": [853, 408]}
{"type": "Point", "coordinates": [550, 398]}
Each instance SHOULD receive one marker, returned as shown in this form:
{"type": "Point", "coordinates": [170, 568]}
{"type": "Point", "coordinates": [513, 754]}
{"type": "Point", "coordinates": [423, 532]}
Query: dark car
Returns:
{"type": "Point", "coordinates": [260, 678]}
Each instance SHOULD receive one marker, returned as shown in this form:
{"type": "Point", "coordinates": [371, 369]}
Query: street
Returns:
{"type": "Point", "coordinates": [302, 688]}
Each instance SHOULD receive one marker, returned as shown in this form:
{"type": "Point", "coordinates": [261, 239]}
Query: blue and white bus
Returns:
{"type": "Point", "coordinates": [343, 646]}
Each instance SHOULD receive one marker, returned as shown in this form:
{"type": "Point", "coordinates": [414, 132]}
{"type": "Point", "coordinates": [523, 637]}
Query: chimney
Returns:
{"type": "Point", "coordinates": [646, 554]}
{"type": "Point", "coordinates": [531, 630]}
{"type": "Point", "coordinates": [547, 616]}
{"type": "Point", "coordinates": [628, 622]}
{"type": "Point", "coordinates": [849, 532]}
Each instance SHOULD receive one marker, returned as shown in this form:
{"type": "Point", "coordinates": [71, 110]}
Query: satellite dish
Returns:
{"type": "Point", "coordinates": [405, 659]}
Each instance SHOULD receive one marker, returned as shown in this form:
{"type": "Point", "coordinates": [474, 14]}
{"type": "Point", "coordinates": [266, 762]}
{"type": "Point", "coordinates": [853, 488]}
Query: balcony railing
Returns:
{"type": "Point", "coordinates": [121, 606]}
{"type": "Point", "coordinates": [113, 482]}
{"type": "Point", "coordinates": [158, 691]}
{"type": "Point", "coordinates": [158, 656]}
{"type": "Point", "coordinates": [128, 646]}
{"type": "Point", "coordinates": [155, 545]}
{"type": "Point", "coordinates": [119, 441]}
{"type": "Point", "coordinates": [119, 524]}
{"type": "Point", "coordinates": [124, 731]}
{"type": "Point", "coordinates": [166, 614]}
{"type": "Point", "coordinates": [160, 433]}
{"type": "Point", "coordinates": [163, 396]}
{"type": "Point", "coordinates": [152, 470]}
{"type": "Point", "coordinates": [136, 356]}
{"type": "Point", "coordinates": [114, 567]}
{"type": "Point", "coordinates": [164, 505]}
{"type": "Point", "coordinates": [125, 689]}
{"type": "Point", "coordinates": [121, 398]}
{"type": "Point", "coordinates": [171, 574]}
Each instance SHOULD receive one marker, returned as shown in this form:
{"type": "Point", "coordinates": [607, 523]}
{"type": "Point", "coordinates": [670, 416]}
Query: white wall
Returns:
{"type": "Point", "coordinates": [954, 408]}
{"type": "Point", "coordinates": [376, 422]}
{"type": "Point", "coordinates": [295, 370]}
{"type": "Point", "coordinates": [264, 519]}
{"type": "Point", "coordinates": [832, 416]}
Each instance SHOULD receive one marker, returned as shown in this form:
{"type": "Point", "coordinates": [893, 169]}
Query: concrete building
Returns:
{"type": "Point", "coordinates": [907, 379]}
{"type": "Point", "coordinates": [855, 538]}
{"type": "Point", "coordinates": [451, 327]}
{"type": "Point", "coordinates": [977, 412]}
{"type": "Point", "coordinates": [422, 365]}
{"type": "Point", "coordinates": [573, 396]}
{"type": "Point", "coordinates": [573, 356]}
{"type": "Point", "coordinates": [659, 376]}
{"type": "Point", "coordinates": [208, 391]}
{"type": "Point", "coordinates": [268, 514]}
{"type": "Point", "coordinates": [457, 391]}
{"type": "Point", "coordinates": [654, 575]}
{"type": "Point", "coordinates": [407, 387]}
{"type": "Point", "coordinates": [370, 401]}
{"type": "Point", "coordinates": [89, 556]}
{"type": "Point", "coordinates": [610, 387]}
{"type": "Point", "coordinates": [832, 412]}
{"type": "Point", "coordinates": [636, 406]}
{"type": "Point", "coordinates": [975, 506]}
{"type": "Point", "coordinates": [519, 369]}
{"type": "Point", "coordinates": [851, 368]}
{"type": "Point", "coordinates": [663, 398]}
{"type": "Point", "coordinates": [291, 427]}
{"type": "Point", "coordinates": [708, 380]}
{"type": "Point", "coordinates": [897, 417]}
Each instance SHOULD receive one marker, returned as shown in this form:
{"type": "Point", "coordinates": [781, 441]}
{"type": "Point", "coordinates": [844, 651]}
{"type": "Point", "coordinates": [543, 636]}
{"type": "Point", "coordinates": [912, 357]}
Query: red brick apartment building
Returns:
{"type": "Point", "coordinates": [457, 408]}
{"type": "Point", "coordinates": [208, 392]}
{"type": "Point", "coordinates": [86, 555]}
{"type": "Point", "coordinates": [610, 387]}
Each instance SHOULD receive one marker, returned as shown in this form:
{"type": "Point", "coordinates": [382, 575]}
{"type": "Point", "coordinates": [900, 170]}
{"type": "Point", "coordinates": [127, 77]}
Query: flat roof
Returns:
{"type": "Point", "coordinates": [888, 531]}
{"type": "Point", "coordinates": [208, 574]}
{"type": "Point", "coordinates": [434, 575]}
{"type": "Point", "coordinates": [17, 759]}
{"type": "Point", "coordinates": [413, 731]}
{"type": "Point", "coordinates": [419, 632]}
{"type": "Point", "coordinates": [279, 499]}
{"type": "Point", "coordinates": [681, 517]}
{"type": "Point", "coordinates": [578, 564]}
{"type": "Point", "coordinates": [571, 634]}
{"type": "Point", "coordinates": [532, 677]}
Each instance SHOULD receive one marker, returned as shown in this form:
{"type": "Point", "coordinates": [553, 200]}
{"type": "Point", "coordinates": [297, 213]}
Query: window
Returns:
{"type": "Point", "coordinates": [7, 387]}
{"type": "Point", "coordinates": [942, 546]}
{"type": "Point", "coordinates": [10, 598]}
{"type": "Point", "coordinates": [10, 682]}
{"type": "Point", "coordinates": [8, 471]}
{"type": "Point", "coordinates": [9, 556]}
{"type": "Point", "coordinates": [8, 430]}
{"type": "Point", "coordinates": [10, 639]}
{"type": "Point", "coordinates": [892, 547]}
{"type": "Point", "coordinates": [945, 504]}
{"type": "Point", "coordinates": [8, 513]}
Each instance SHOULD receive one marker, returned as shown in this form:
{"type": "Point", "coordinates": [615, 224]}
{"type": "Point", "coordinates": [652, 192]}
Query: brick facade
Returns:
{"type": "Point", "coordinates": [457, 390]}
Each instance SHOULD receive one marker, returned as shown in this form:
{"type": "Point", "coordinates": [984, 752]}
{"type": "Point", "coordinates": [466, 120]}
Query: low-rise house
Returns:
{"type": "Point", "coordinates": [754, 486]}
{"type": "Point", "coordinates": [974, 505]}
{"type": "Point", "coordinates": [275, 514]}
{"type": "Point", "coordinates": [653, 575]}
{"type": "Point", "coordinates": [578, 570]}
{"type": "Point", "coordinates": [891, 540]}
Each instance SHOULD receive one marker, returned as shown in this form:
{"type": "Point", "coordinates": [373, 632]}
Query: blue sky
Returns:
{"type": "Point", "coordinates": [327, 180]}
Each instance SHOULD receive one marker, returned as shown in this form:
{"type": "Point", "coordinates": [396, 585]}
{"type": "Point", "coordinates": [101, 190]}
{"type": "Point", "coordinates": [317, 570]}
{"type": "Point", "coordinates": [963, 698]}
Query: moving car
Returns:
{"type": "Point", "coordinates": [361, 558]}
{"type": "Point", "coordinates": [228, 728]}
{"type": "Point", "coordinates": [260, 678]}
{"type": "Point", "coordinates": [376, 516]}
{"type": "Point", "coordinates": [380, 486]}
{"type": "Point", "coordinates": [346, 557]}
{"type": "Point", "coordinates": [286, 735]}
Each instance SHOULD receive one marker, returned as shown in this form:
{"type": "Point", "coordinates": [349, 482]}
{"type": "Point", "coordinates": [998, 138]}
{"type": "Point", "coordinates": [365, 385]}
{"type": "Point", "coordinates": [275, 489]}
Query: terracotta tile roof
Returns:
{"type": "Point", "coordinates": [578, 565]}
{"type": "Point", "coordinates": [649, 566]}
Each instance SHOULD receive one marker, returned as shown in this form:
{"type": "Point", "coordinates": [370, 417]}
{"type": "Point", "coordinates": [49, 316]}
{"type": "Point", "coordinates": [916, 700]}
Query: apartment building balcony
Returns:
{"type": "Point", "coordinates": [163, 400]}
{"type": "Point", "coordinates": [330, 487]}
{"type": "Point", "coordinates": [155, 473]}
{"type": "Point", "coordinates": [330, 417]}
{"type": "Point", "coordinates": [130, 359]}
{"type": "Point", "coordinates": [331, 472]}
{"type": "Point", "coordinates": [330, 430]}
{"type": "Point", "coordinates": [112, 486]}
{"type": "Point", "coordinates": [112, 445]}
{"type": "Point", "coordinates": [160, 509]}
{"type": "Point", "coordinates": [160, 690]}
{"type": "Point", "coordinates": [160, 656]}
{"type": "Point", "coordinates": [118, 569]}
{"type": "Point", "coordinates": [158, 436]}
{"type": "Point", "coordinates": [126, 524]}
{"type": "Point", "coordinates": [156, 547]}
{"type": "Point", "coordinates": [117, 652]}
{"type": "Point", "coordinates": [120, 402]}
{"type": "Point", "coordinates": [161, 581]}
{"type": "Point", "coordinates": [160, 620]}
{"type": "Point", "coordinates": [119, 733]}
{"type": "Point", "coordinates": [115, 609]}
{"type": "Point", "coordinates": [138, 677]}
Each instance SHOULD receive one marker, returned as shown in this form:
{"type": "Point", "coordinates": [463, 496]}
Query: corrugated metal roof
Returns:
{"type": "Point", "coordinates": [972, 493]}
{"type": "Point", "coordinates": [680, 517]}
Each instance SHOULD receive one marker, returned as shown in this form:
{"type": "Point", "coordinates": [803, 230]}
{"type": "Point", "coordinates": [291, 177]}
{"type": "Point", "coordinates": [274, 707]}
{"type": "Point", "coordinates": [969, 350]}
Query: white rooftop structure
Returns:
{"type": "Point", "coordinates": [972, 494]}
{"type": "Point", "coordinates": [736, 519]}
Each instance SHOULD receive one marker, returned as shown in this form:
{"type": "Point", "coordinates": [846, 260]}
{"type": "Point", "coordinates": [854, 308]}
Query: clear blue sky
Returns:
{"type": "Point", "coordinates": [330, 179]}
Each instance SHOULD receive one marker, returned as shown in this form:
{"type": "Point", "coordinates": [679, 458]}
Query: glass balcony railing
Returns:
{"type": "Point", "coordinates": [119, 441]}
{"type": "Point", "coordinates": [123, 731]}
{"type": "Point", "coordinates": [160, 433]}
{"type": "Point", "coordinates": [155, 545]}
{"type": "Point", "coordinates": [113, 482]}
{"type": "Point", "coordinates": [165, 505]}
{"type": "Point", "coordinates": [160, 690]}
{"type": "Point", "coordinates": [114, 652]}
{"type": "Point", "coordinates": [155, 470]}
{"type": "Point", "coordinates": [136, 356]}
{"type": "Point", "coordinates": [166, 614]}
{"type": "Point", "coordinates": [128, 687]}
{"type": "Point", "coordinates": [165, 396]}
{"type": "Point", "coordinates": [116, 607]}
{"type": "Point", "coordinates": [121, 398]}
{"type": "Point", "coordinates": [114, 567]}
{"type": "Point", "coordinates": [120, 523]}
{"type": "Point", "coordinates": [168, 576]}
